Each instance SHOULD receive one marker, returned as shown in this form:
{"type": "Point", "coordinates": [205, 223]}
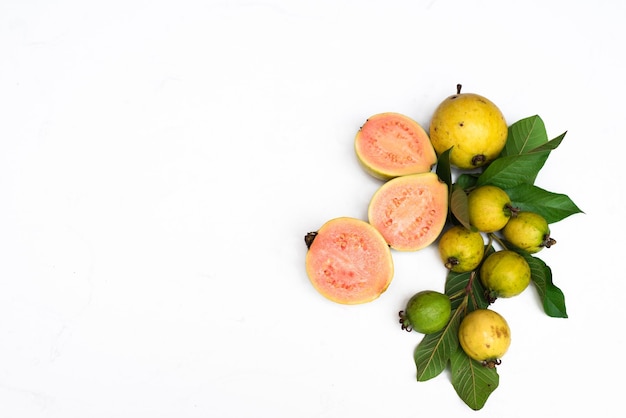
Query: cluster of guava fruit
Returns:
{"type": "Point", "coordinates": [418, 204]}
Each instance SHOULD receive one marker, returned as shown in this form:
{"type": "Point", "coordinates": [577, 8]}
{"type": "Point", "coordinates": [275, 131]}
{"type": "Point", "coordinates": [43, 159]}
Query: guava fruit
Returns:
{"type": "Point", "coordinates": [426, 312]}
{"type": "Point", "coordinates": [348, 261]}
{"type": "Point", "coordinates": [528, 231]}
{"type": "Point", "coordinates": [410, 211]}
{"type": "Point", "coordinates": [461, 250]}
{"type": "Point", "coordinates": [489, 208]}
{"type": "Point", "coordinates": [391, 144]}
{"type": "Point", "coordinates": [485, 336]}
{"type": "Point", "coordinates": [505, 274]}
{"type": "Point", "coordinates": [472, 126]}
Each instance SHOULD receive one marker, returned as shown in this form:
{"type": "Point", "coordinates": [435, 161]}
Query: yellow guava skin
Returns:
{"type": "Point", "coordinates": [505, 274]}
{"type": "Point", "coordinates": [528, 231]}
{"type": "Point", "coordinates": [484, 335]}
{"type": "Point", "coordinates": [489, 208]}
{"type": "Point", "coordinates": [470, 124]}
{"type": "Point", "coordinates": [427, 312]}
{"type": "Point", "coordinates": [460, 249]}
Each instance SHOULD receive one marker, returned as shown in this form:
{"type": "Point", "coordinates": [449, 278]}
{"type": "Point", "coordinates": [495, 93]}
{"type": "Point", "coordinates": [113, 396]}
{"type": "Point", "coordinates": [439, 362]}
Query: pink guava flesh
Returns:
{"type": "Point", "coordinates": [391, 144]}
{"type": "Point", "coordinates": [410, 211]}
{"type": "Point", "coordinates": [349, 261]}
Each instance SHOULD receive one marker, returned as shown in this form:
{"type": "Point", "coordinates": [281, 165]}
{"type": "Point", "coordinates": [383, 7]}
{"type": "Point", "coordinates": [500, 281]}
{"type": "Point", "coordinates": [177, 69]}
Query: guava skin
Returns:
{"type": "Point", "coordinates": [460, 249]}
{"type": "Point", "coordinates": [505, 274]}
{"type": "Point", "coordinates": [528, 231]}
{"type": "Point", "coordinates": [426, 312]}
{"type": "Point", "coordinates": [489, 208]}
{"type": "Point", "coordinates": [485, 336]}
{"type": "Point", "coordinates": [470, 124]}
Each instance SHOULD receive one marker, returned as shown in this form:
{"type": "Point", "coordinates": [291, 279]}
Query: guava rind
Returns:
{"type": "Point", "coordinates": [484, 335]}
{"type": "Point", "coordinates": [428, 311]}
{"type": "Point", "coordinates": [489, 208]}
{"type": "Point", "coordinates": [460, 249]}
{"type": "Point", "coordinates": [390, 144]}
{"type": "Point", "coordinates": [349, 262]}
{"type": "Point", "coordinates": [505, 273]}
{"type": "Point", "coordinates": [528, 231]}
{"type": "Point", "coordinates": [472, 125]}
{"type": "Point", "coordinates": [410, 211]}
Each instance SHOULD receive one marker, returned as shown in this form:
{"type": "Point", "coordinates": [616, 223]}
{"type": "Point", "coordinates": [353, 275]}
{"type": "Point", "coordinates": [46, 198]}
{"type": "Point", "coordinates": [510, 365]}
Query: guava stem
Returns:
{"type": "Point", "coordinates": [494, 237]}
{"type": "Point", "coordinates": [548, 242]}
{"type": "Point", "coordinates": [458, 88]}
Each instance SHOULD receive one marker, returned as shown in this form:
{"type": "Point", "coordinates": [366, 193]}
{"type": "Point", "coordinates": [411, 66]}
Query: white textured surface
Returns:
{"type": "Point", "coordinates": [161, 161]}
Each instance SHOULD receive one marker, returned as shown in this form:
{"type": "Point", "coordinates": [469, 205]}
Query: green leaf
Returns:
{"type": "Point", "coordinates": [552, 206]}
{"type": "Point", "coordinates": [443, 169]}
{"type": "Point", "coordinates": [472, 381]}
{"type": "Point", "coordinates": [433, 352]}
{"type": "Point", "coordinates": [467, 181]}
{"type": "Point", "coordinates": [457, 283]}
{"type": "Point", "coordinates": [551, 145]}
{"type": "Point", "coordinates": [459, 206]}
{"type": "Point", "coordinates": [551, 296]}
{"type": "Point", "coordinates": [524, 136]}
{"type": "Point", "coordinates": [510, 171]}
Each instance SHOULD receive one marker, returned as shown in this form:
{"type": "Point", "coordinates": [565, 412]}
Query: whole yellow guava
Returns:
{"type": "Point", "coordinates": [528, 231]}
{"type": "Point", "coordinates": [470, 124]}
{"type": "Point", "coordinates": [489, 208]}
{"type": "Point", "coordinates": [460, 249]}
{"type": "Point", "coordinates": [485, 336]}
{"type": "Point", "coordinates": [505, 274]}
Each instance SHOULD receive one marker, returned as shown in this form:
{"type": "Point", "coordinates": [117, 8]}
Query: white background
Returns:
{"type": "Point", "coordinates": [161, 162]}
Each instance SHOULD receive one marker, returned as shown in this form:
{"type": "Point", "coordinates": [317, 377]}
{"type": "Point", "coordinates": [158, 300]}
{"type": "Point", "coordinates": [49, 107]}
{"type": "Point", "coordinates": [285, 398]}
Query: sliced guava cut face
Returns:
{"type": "Point", "coordinates": [410, 211]}
{"type": "Point", "coordinates": [349, 261]}
{"type": "Point", "coordinates": [391, 144]}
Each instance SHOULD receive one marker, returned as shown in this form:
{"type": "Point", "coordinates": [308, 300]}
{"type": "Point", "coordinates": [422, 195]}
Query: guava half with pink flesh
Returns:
{"type": "Point", "coordinates": [410, 211]}
{"type": "Point", "coordinates": [348, 261]}
{"type": "Point", "coordinates": [390, 144]}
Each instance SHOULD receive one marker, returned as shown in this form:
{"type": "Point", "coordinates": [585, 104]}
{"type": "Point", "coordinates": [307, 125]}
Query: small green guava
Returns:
{"type": "Point", "coordinates": [485, 336]}
{"type": "Point", "coordinates": [426, 312]}
{"type": "Point", "coordinates": [461, 250]}
{"type": "Point", "coordinates": [505, 274]}
{"type": "Point", "coordinates": [489, 208]}
{"type": "Point", "coordinates": [528, 231]}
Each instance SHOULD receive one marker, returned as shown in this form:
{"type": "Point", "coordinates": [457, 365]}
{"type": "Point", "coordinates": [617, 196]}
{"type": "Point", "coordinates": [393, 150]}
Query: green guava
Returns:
{"type": "Point", "coordinates": [348, 261]}
{"type": "Point", "coordinates": [489, 208]}
{"type": "Point", "coordinates": [410, 211]}
{"type": "Point", "coordinates": [528, 231]}
{"type": "Point", "coordinates": [426, 312]}
{"type": "Point", "coordinates": [485, 336]}
{"type": "Point", "coordinates": [472, 126]}
{"type": "Point", "coordinates": [505, 274]}
{"type": "Point", "coordinates": [391, 144]}
{"type": "Point", "coordinates": [460, 249]}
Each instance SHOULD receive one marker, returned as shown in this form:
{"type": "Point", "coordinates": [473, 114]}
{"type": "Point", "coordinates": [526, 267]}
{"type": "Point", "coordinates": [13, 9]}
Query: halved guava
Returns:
{"type": "Point", "coordinates": [348, 261]}
{"type": "Point", "coordinates": [410, 211]}
{"type": "Point", "coordinates": [391, 144]}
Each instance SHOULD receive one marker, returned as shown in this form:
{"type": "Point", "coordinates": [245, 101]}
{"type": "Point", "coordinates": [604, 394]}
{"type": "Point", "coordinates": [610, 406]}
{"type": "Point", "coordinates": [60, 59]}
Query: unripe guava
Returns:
{"type": "Point", "coordinates": [472, 126]}
{"type": "Point", "coordinates": [528, 231]}
{"type": "Point", "coordinates": [348, 261]}
{"type": "Point", "coordinates": [485, 336]}
{"type": "Point", "coordinates": [489, 208]}
{"type": "Point", "coordinates": [460, 249]}
{"type": "Point", "coordinates": [426, 312]}
{"type": "Point", "coordinates": [391, 144]}
{"type": "Point", "coordinates": [505, 274]}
